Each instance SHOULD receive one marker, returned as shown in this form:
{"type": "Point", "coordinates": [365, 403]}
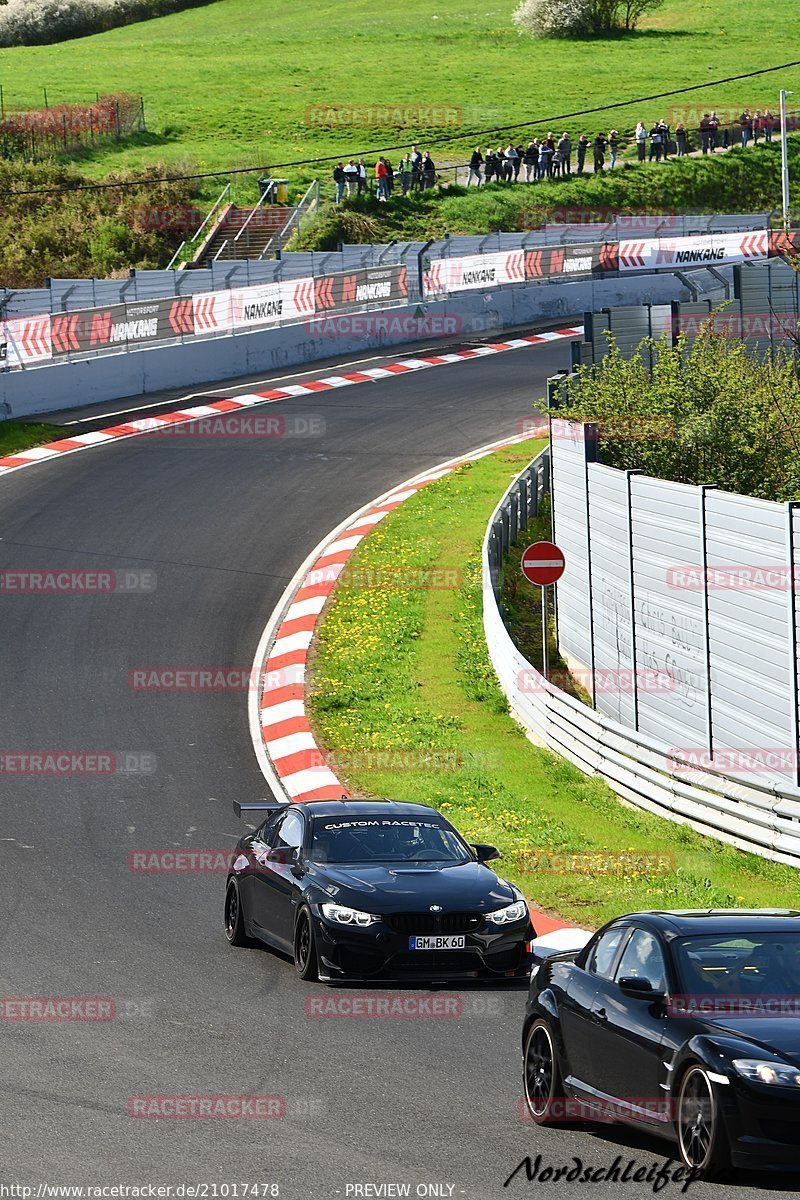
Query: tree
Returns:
{"type": "Point", "coordinates": [579, 18]}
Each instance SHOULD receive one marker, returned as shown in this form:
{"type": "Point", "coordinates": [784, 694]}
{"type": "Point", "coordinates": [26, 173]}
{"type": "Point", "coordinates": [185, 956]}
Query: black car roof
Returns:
{"type": "Point", "coordinates": [685, 922]}
{"type": "Point", "coordinates": [354, 807]}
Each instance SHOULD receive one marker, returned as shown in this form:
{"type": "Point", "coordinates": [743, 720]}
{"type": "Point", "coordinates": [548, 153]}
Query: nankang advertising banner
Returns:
{"type": "Point", "coordinates": [709, 249]}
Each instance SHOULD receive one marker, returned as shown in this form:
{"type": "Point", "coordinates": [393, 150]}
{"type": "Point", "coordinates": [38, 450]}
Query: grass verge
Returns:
{"type": "Point", "coordinates": [19, 435]}
{"type": "Point", "coordinates": [405, 699]}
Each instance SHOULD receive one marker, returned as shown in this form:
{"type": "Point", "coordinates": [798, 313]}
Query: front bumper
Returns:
{"type": "Point", "coordinates": [763, 1125]}
{"type": "Point", "coordinates": [378, 952]}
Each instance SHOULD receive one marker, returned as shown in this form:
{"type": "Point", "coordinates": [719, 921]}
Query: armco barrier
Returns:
{"type": "Point", "coordinates": [754, 817]}
{"type": "Point", "coordinates": [30, 341]}
{"type": "Point", "coordinates": [66, 383]}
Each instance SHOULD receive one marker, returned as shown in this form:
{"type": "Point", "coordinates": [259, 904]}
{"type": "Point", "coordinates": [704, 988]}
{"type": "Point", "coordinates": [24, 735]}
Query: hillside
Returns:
{"type": "Point", "coordinates": [240, 82]}
{"type": "Point", "coordinates": [738, 181]}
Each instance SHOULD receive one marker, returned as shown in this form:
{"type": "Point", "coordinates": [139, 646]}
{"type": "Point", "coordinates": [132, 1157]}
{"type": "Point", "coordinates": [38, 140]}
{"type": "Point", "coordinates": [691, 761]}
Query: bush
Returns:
{"type": "Point", "coordinates": [67, 234]}
{"type": "Point", "coordinates": [37, 22]}
{"type": "Point", "coordinates": [578, 18]}
{"type": "Point", "coordinates": [708, 412]}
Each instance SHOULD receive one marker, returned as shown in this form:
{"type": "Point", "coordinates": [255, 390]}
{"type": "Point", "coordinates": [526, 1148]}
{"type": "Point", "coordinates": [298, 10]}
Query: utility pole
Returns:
{"type": "Point", "coordinates": [784, 161]}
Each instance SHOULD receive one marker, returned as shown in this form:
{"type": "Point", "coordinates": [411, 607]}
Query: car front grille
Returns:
{"type": "Point", "coordinates": [429, 922]}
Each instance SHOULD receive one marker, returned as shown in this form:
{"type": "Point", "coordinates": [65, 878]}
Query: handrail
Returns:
{"type": "Point", "coordinates": [186, 245]}
{"type": "Point", "coordinates": [253, 212]}
{"type": "Point", "coordinates": [303, 206]}
{"type": "Point", "coordinates": [219, 252]}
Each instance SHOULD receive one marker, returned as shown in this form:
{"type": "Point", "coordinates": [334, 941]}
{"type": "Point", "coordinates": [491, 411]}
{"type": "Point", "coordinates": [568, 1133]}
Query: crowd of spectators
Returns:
{"type": "Point", "coordinates": [552, 157]}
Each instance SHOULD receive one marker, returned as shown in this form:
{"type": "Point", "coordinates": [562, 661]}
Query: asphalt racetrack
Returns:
{"type": "Point", "coordinates": [207, 532]}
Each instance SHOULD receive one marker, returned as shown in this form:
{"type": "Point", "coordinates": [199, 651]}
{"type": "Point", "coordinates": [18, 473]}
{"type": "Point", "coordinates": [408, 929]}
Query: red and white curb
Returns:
{"type": "Point", "coordinates": [290, 759]}
{"type": "Point", "coordinates": [145, 425]}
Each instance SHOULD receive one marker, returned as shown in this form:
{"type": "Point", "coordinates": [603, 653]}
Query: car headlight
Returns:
{"type": "Point", "coordinates": [509, 914]}
{"type": "Point", "coordinates": [347, 916]}
{"type": "Point", "coordinates": [761, 1071]}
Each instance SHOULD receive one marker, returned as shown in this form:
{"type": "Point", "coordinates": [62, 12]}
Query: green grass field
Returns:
{"type": "Point", "coordinates": [404, 696]}
{"type": "Point", "coordinates": [230, 84]}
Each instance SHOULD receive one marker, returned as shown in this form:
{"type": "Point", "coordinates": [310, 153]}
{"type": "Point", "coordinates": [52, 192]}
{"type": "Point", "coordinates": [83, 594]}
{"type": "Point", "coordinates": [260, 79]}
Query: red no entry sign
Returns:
{"type": "Point", "coordinates": [543, 563]}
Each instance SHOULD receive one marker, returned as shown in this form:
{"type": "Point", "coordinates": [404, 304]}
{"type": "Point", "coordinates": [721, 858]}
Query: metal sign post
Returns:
{"type": "Point", "coordinates": [543, 563]}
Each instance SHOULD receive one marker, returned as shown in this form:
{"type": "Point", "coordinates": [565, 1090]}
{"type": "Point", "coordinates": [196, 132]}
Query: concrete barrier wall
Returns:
{"type": "Point", "coordinates": [65, 385]}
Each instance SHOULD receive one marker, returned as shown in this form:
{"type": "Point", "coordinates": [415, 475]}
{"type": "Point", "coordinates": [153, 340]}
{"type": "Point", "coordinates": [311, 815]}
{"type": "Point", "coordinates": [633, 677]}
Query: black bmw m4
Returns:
{"type": "Point", "coordinates": [371, 889]}
{"type": "Point", "coordinates": [684, 1023]}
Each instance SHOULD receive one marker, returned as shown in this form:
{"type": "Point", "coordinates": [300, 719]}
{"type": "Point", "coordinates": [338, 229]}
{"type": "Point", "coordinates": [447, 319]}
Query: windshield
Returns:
{"type": "Point", "coordinates": [381, 839]}
{"type": "Point", "coordinates": [740, 965]}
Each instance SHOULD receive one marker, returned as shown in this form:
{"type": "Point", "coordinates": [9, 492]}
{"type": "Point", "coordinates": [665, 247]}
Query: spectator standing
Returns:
{"type": "Point", "coordinates": [556, 164]}
{"type": "Point", "coordinates": [680, 139]}
{"type": "Point", "coordinates": [769, 125]}
{"type": "Point", "coordinates": [362, 176]}
{"type": "Point", "coordinates": [380, 178]}
{"type": "Point", "coordinates": [545, 160]}
{"type": "Point", "coordinates": [665, 137]}
{"type": "Point", "coordinates": [351, 176]}
{"type": "Point", "coordinates": [428, 171]}
{"type": "Point", "coordinates": [613, 146]}
{"type": "Point", "coordinates": [565, 150]}
{"type": "Point", "coordinates": [641, 141]}
{"type": "Point", "coordinates": [500, 164]}
{"type": "Point", "coordinates": [530, 158]}
{"type": "Point", "coordinates": [746, 124]}
{"type": "Point", "coordinates": [655, 143]}
{"type": "Point", "coordinates": [600, 144]}
{"type": "Point", "coordinates": [490, 165]}
{"type": "Point", "coordinates": [475, 163]}
{"type": "Point", "coordinates": [582, 147]}
{"type": "Point", "coordinates": [758, 125]}
{"type": "Point", "coordinates": [339, 178]}
{"type": "Point", "coordinates": [705, 133]}
{"type": "Point", "coordinates": [389, 178]}
{"type": "Point", "coordinates": [406, 174]}
{"type": "Point", "coordinates": [518, 162]}
{"type": "Point", "coordinates": [416, 169]}
{"type": "Point", "coordinates": [511, 158]}
{"type": "Point", "coordinates": [713, 128]}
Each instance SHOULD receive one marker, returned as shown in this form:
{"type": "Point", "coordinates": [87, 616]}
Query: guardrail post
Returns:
{"type": "Point", "coordinates": [704, 488]}
{"type": "Point", "coordinates": [791, 506]}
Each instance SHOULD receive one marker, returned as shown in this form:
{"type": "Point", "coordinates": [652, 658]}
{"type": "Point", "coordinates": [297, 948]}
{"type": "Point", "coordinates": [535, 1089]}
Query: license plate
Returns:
{"type": "Point", "coordinates": [442, 942]}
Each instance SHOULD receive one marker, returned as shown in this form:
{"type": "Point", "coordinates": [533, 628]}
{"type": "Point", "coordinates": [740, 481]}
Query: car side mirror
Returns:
{"type": "Point", "coordinates": [639, 989]}
{"type": "Point", "coordinates": [281, 855]}
{"type": "Point", "coordinates": [485, 853]}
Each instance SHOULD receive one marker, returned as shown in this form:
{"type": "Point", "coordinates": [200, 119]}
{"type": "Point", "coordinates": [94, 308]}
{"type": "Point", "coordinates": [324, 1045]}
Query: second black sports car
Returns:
{"type": "Point", "coordinates": [686, 1023]}
{"type": "Point", "coordinates": [371, 889]}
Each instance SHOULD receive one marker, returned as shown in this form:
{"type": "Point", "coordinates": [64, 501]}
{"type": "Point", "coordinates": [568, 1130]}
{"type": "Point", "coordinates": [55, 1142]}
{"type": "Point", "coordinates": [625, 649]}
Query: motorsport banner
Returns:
{"type": "Point", "coordinates": [708, 249]}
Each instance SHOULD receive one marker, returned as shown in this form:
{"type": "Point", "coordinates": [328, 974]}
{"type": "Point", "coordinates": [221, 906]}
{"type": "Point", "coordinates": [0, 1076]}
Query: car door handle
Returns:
{"type": "Point", "coordinates": [599, 1016]}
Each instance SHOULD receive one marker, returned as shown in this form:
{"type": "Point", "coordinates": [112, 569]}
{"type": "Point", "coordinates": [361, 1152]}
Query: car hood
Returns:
{"type": "Point", "coordinates": [397, 887]}
{"type": "Point", "coordinates": [775, 1035]}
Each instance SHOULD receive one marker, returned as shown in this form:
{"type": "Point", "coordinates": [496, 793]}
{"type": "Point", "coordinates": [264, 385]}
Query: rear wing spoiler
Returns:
{"type": "Point", "coordinates": [262, 806]}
